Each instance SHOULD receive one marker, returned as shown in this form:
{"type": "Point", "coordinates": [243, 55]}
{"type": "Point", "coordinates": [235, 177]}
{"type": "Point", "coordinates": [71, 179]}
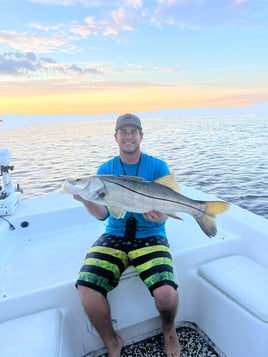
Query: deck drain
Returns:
{"type": "Point", "coordinates": [24, 224]}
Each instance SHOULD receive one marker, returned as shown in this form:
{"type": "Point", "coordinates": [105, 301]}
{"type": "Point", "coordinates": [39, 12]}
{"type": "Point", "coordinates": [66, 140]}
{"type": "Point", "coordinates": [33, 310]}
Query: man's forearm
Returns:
{"type": "Point", "coordinates": [98, 211]}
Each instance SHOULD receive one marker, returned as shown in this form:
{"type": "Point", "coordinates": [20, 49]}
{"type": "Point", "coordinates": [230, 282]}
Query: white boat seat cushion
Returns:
{"type": "Point", "coordinates": [241, 279]}
{"type": "Point", "coordinates": [36, 335]}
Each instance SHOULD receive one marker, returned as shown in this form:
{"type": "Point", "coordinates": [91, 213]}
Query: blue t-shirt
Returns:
{"type": "Point", "coordinates": [149, 168]}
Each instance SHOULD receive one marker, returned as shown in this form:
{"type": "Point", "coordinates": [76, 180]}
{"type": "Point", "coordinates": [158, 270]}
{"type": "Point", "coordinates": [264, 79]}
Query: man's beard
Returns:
{"type": "Point", "coordinates": [130, 151]}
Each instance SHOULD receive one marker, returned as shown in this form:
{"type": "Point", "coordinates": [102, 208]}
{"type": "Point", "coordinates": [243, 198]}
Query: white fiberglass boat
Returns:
{"type": "Point", "coordinates": [223, 281]}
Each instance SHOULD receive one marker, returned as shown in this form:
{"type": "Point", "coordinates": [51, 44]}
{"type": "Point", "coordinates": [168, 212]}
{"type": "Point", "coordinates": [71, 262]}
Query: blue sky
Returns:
{"type": "Point", "coordinates": [94, 57]}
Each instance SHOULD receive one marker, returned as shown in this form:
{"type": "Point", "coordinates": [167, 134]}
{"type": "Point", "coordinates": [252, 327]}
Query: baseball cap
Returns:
{"type": "Point", "coordinates": [127, 119]}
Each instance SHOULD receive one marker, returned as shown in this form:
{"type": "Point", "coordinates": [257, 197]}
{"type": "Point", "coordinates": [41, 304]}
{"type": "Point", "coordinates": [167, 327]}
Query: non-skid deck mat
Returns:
{"type": "Point", "coordinates": [193, 341]}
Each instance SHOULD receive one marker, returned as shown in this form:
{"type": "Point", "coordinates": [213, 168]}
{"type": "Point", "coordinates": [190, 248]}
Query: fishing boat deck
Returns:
{"type": "Point", "coordinates": [41, 257]}
{"type": "Point", "coordinates": [193, 341]}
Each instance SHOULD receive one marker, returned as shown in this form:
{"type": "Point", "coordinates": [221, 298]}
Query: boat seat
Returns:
{"type": "Point", "coordinates": [241, 279]}
{"type": "Point", "coordinates": [32, 335]}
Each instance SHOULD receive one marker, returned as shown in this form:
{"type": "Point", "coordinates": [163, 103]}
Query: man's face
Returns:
{"type": "Point", "coordinates": [128, 138]}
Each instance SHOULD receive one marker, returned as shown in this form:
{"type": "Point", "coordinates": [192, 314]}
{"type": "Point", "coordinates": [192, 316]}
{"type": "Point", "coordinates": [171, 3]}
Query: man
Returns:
{"type": "Point", "coordinates": [129, 240]}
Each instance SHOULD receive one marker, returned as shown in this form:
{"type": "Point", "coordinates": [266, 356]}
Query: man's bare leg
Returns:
{"type": "Point", "coordinates": [172, 346]}
{"type": "Point", "coordinates": [98, 311]}
{"type": "Point", "coordinates": [166, 300]}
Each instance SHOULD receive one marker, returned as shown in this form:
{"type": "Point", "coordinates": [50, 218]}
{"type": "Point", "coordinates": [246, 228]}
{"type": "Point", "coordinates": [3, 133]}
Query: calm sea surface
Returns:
{"type": "Point", "coordinates": [227, 157]}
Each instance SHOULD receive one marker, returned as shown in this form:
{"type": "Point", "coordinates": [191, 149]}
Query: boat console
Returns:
{"type": "Point", "coordinates": [10, 195]}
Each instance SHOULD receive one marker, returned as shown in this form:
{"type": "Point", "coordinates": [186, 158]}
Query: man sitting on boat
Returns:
{"type": "Point", "coordinates": [136, 239]}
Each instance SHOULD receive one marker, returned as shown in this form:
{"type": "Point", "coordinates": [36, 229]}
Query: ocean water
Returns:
{"type": "Point", "coordinates": [226, 157]}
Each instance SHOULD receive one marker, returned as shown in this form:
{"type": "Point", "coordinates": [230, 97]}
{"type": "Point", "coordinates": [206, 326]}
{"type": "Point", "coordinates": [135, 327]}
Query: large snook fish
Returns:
{"type": "Point", "coordinates": [126, 193]}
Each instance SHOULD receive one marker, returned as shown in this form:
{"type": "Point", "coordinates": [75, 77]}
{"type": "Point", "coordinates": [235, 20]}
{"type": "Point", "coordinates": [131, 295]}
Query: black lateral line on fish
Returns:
{"type": "Point", "coordinates": [163, 199]}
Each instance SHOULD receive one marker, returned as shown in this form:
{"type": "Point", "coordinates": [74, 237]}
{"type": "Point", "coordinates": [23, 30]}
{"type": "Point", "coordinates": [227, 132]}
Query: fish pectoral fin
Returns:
{"type": "Point", "coordinates": [117, 212]}
{"type": "Point", "coordinates": [169, 181]}
{"type": "Point", "coordinates": [174, 216]}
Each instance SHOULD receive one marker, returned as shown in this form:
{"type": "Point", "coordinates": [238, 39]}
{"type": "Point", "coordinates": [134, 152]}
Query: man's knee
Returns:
{"type": "Point", "coordinates": [166, 296]}
{"type": "Point", "coordinates": [88, 294]}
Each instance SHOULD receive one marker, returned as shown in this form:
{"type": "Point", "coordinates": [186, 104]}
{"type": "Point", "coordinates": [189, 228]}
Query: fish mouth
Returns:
{"type": "Point", "coordinates": [78, 183]}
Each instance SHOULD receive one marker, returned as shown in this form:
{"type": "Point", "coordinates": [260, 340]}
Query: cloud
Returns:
{"type": "Point", "coordinates": [86, 3]}
{"type": "Point", "coordinates": [65, 37]}
{"type": "Point", "coordinates": [87, 28]}
{"type": "Point", "coordinates": [185, 14]}
{"type": "Point", "coordinates": [29, 65]}
{"type": "Point", "coordinates": [116, 21]}
{"type": "Point", "coordinates": [36, 43]}
{"type": "Point", "coordinates": [204, 14]}
{"type": "Point", "coordinates": [46, 28]}
{"type": "Point", "coordinates": [240, 2]}
{"type": "Point", "coordinates": [18, 63]}
{"type": "Point", "coordinates": [136, 4]}
{"type": "Point", "coordinates": [68, 85]}
{"type": "Point", "coordinates": [122, 17]}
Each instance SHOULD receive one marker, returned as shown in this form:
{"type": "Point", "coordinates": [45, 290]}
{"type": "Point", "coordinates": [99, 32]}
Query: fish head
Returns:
{"type": "Point", "coordinates": [73, 186]}
{"type": "Point", "coordinates": [90, 188]}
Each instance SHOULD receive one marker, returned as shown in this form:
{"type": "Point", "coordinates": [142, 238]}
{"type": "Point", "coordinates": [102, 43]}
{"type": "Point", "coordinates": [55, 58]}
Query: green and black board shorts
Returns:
{"type": "Point", "coordinates": [110, 255]}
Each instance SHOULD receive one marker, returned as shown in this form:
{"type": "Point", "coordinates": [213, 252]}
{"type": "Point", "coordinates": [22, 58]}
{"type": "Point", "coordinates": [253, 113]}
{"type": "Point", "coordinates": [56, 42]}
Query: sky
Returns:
{"type": "Point", "coordinates": [92, 57]}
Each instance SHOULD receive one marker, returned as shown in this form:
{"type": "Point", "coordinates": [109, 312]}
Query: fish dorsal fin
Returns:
{"type": "Point", "coordinates": [169, 181]}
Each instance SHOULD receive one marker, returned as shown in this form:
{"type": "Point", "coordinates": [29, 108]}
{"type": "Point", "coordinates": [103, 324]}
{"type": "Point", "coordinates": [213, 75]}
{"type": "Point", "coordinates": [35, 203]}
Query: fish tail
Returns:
{"type": "Point", "coordinates": [216, 207]}
{"type": "Point", "coordinates": [207, 220]}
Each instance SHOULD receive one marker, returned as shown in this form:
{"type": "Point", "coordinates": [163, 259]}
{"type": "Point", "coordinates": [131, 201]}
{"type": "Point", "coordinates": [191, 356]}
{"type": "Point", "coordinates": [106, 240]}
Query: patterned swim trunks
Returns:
{"type": "Point", "coordinates": [110, 255]}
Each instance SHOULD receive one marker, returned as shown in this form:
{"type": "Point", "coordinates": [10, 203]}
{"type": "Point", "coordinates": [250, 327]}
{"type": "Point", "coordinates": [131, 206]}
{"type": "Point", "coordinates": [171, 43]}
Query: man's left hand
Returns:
{"type": "Point", "coordinates": [155, 216]}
